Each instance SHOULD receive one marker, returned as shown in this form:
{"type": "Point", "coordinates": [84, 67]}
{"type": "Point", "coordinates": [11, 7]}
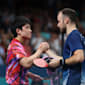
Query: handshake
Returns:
{"type": "Point", "coordinates": [43, 47]}
{"type": "Point", "coordinates": [55, 61]}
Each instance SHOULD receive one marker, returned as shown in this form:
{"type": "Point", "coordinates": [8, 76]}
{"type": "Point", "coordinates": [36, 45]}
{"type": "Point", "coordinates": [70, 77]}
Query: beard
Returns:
{"type": "Point", "coordinates": [63, 30]}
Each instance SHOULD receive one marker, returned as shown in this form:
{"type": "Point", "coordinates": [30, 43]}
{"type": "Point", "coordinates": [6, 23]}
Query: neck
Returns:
{"type": "Point", "coordinates": [70, 28]}
{"type": "Point", "coordinates": [21, 40]}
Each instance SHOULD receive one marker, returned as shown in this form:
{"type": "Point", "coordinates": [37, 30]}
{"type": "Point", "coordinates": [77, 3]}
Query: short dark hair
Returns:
{"type": "Point", "coordinates": [71, 13]}
{"type": "Point", "coordinates": [19, 21]}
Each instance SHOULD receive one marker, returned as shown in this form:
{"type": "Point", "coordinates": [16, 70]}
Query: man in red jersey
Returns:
{"type": "Point", "coordinates": [18, 61]}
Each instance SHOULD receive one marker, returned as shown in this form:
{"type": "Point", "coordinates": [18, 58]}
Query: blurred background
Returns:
{"type": "Point", "coordinates": [43, 14]}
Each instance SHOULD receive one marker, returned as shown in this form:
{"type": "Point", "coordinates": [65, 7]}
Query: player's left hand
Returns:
{"type": "Point", "coordinates": [55, 62]}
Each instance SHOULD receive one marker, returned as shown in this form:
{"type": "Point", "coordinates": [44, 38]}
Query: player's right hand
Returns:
{"type": "Point", "coordinates": [44, 46]}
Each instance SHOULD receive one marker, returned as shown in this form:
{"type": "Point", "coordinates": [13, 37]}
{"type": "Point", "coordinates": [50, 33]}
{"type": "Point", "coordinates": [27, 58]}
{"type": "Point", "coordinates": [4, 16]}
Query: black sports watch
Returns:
{"type": "Point", "coordinates": [62, 62]}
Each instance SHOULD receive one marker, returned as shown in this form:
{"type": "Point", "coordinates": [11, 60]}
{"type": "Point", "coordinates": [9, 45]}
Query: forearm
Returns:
{"type": "Point", "coordinates": [68, 61]}
{"type": "Point", "coordinates": [51, 54]}
{"type": "Point", "coordinates": [27, 61]}
{"type": "Point", "coordinates": [73, 60]}
{"type": "Point", "coordinates": [77, 57]}
{"type": "Point", "coordinates": [55, 62]}
{"type": "Point", "coordinates": [34, 76]}
{"type": "Point", "coordinates": [29, 74]}
{"type": "Point", "coordinates": [34, 56]}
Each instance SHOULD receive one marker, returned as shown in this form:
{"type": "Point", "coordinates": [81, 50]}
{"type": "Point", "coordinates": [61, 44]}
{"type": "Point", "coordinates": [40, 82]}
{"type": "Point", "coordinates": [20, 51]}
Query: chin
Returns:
{"type": "Point", "coordinates": [63, 30]}
{"type": "Point", "coordinates": [27, 38]}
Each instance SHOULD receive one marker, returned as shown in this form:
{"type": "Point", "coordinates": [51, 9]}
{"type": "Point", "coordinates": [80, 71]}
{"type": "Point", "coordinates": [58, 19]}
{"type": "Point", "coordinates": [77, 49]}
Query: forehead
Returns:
{"type": "Point", "coordinates": [27, 25]}
{"type": "Point", "coordinates": [59, 16]}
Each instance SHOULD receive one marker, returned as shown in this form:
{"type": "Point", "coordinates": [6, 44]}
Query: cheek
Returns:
{"type": "Point", "coordinates": [24, 34]}
{"type": "Point", "coordinates": [59, 24]}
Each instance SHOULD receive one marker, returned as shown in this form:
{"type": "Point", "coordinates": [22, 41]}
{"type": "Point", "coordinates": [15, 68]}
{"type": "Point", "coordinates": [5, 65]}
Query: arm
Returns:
{"type": "Point", "coordinates": [55, 62]}
{"type": "Point", "coordinates": [27, 61]}
{"type": "Point", "coordinates": [77, 57]}
{"type": "Point", "coordinates": [34, 76]}
{"type": "Point", "coordinates": [74, 42]}
{"type": "Point", "coordinates": [51, 54]}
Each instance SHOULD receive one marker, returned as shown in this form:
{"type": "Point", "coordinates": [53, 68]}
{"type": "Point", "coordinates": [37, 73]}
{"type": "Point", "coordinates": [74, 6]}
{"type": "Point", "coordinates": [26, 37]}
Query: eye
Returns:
{"type": "Point", "coordinates": [27, 27]}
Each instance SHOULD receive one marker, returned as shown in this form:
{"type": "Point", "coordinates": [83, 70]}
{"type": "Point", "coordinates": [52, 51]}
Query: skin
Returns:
{"type": "Point", "coordinates": [78, 56]}
{"type": "Point", "coordinates": [24, 35]}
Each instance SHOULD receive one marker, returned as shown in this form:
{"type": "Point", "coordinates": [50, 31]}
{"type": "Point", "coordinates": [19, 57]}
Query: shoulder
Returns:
{"type": "Point", "coordinates": [14, 45]}
{"type": "Point", "coordinates": [75, 35]}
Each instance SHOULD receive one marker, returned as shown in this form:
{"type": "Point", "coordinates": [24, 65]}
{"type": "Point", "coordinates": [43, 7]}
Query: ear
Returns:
{"type": "Point", "coordinates": [66, 20]}
{"type": "Point", "coordinates": [18, 31]}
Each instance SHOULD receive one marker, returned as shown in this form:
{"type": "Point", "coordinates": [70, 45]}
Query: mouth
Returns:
{"type": "Point", "coordinates": [30, 34]}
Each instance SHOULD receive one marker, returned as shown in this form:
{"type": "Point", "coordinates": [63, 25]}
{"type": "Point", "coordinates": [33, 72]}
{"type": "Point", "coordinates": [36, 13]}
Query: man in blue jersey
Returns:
{"type": "Point", "coordinates": [73, 55]}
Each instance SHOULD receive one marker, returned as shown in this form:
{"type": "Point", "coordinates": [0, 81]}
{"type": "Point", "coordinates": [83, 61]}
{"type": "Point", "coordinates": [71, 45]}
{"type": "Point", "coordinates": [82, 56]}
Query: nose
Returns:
{"type": "Point", "coordinates": [30, 30]}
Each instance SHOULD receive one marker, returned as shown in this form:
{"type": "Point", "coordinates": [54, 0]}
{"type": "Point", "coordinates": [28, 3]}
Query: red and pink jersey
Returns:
{"type": "Point", "coordinates": [15, 73]}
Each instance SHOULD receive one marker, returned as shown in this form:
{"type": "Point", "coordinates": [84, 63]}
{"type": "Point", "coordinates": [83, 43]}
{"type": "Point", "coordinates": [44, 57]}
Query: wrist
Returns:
{"type": "Point", "coordinates": [62, 62]}
{"type": "Point", "coordinates": [48, 51]}
{"type": "Point", "coordinates": [38, 53]}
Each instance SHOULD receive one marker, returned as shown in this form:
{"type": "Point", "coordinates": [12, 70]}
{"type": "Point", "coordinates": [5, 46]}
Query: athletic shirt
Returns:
{"type": "Point", "coordinates": [15, 73]}
{"type": "Point", "coordinates": [73, 73]}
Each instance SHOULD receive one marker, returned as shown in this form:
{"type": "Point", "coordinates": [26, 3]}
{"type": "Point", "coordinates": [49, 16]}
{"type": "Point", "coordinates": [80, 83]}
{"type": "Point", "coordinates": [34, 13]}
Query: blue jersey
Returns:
{"type": "Point", "coordinates": [72, 74]}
